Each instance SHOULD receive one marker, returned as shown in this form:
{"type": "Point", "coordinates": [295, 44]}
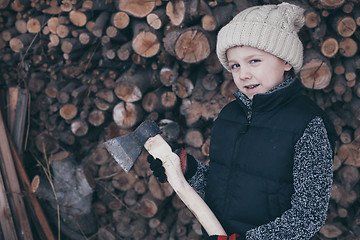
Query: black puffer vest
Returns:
{"type": "Point", "coordinates": [250, 181]}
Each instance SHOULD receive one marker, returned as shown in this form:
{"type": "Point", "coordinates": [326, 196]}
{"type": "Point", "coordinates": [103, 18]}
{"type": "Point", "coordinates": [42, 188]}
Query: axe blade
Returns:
{"type": "Point", "coordinates": [126, 149]}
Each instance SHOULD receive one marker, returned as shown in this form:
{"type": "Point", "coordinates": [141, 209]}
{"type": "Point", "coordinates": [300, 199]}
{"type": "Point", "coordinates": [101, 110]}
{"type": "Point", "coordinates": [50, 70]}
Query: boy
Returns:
{"type": "Point", "coordinates": [271, 151]}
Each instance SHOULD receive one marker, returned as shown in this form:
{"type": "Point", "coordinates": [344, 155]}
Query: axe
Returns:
{"type": "Point", "coordinates": [125, 150]}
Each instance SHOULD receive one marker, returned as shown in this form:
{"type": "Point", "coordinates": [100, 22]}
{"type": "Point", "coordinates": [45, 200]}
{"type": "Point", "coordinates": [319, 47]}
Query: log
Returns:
{"type": "Point", "coordinates": [96, 118]}
{"type": "Point", "coordinates": [328, 4]}
{"type": "Point", "coordinates": [205, 148]}
{"type": "Point", "coordinates": [170, 130]}
{"type": "Point", "coordinates": [124, 181]}
{"type": "Point", "coordinates": [100, 23]}
{"type": "Point", "coordinates": [63, 31]}
{"type": "Point", "coordinates": [182, 12]}
{"type": "Point", "coordinates": [212, 64]}
{"type": "Point", "coordinates": [19, 42]}
{"type": "Point", "coordinates": [124, 51]}
{"type": "Point", "coordinates": [217, 17]}
{"type": "Point", "coordinates": [136, 8]}
{"type": "Point", "coordinates": [20, 26]}
{"type": "Point", "coordinates": [139, 228]}
{"type": "Point", "coordinates": [312, 17]}
{"type": "Point", "coordinates": [7, 34]}
{"type": "Point", "coordinates": [79, 127]}
{"type": "Point", "coordinates": [350, 69]}
{"type": "Point", "coordinates": [123, 230]}
{"type": "Point", "coordinates": [159, 190]}
{"type": "Point", "coordinates": [131, 197]}
{"type": "Point", "coordinates": [346, 136]}
{"type": "Point", "coordinates": [344, 25]}
{"type": "Point", "coordinates": [157, 18]}
{"type": "Point", "coordinates": [166, 224]}
{"type": "Point", "coordinates": [348, 7]}
{"type": "Point", "coordinates": [330, 231]}
{"type": "Point", "coordinates": [159, 100]}
{"type": "Point", "coordinates": [339, 85]}
{"type": "Point", "coordinates": [140, 187]}
{"type": "Point", "coordinates": [97, 5]}
{"type": "Point", "coordinates": [78, 18]}
{"type": "Point", "coordinates": [35, 24]}
{"type": "Point", "coordinates": [146, 41]}
{"type": "Point", "coordinates": [115, 34]}
{"type": "Point", "coordinates": [330, 47]}
{"type": "Point", "coordinates": [349, 177]}
{"type": "Point", "coordinates": [120, 20]}
{"type": "Point", "coordinates": [130, 86]}
{"type": "Point", "coordinates": [52, 24]}
{"type": "Point", "coordinates": [210, 82]}
{"type": "Point", "coordinates": [66, 6]}
{"type": "Point", "coordinates": [183, 87]}
{"type": "Point", "coordinates": [190, 45]}
{"type": "Point", "coordinates": [338, 66]}
{"type": "Point", "coordinates": [168, 75]}
{"type": "Point", "coordinates": [4, 4]}
{"type": "Point", "coordinates": [348, 47]}
{"type": "Point", "coordinates": [185, 216]}
{"type": "Point", "coordinates": [148, 206]}
{"type": "Point", "coordinates": [316, 72]}
{"type": "Point", "coordinates": [68, 111]}
{"type": "Point", "coordinates": [341, 196]}
{"type": "Point", "coordinates": [86, 38]}
{"type": "Point", "coordinates": [193, 138]}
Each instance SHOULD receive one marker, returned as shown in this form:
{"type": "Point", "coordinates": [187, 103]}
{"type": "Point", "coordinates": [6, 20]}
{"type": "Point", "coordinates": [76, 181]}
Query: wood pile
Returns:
{"type": "Point", "coordinates": [74, 74]}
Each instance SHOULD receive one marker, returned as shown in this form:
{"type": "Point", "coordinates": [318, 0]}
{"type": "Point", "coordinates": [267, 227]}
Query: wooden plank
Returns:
{"type": "Point", "coordinates": [42, 224]}
{"type": "Point", "coordinates": [12, 99]}
{"type": "Point", "coordinates": [13, 186]}
{"type": "Point", "coordinates": [20, 119]}
{"type": "Point", "coordinates": [7, 226]}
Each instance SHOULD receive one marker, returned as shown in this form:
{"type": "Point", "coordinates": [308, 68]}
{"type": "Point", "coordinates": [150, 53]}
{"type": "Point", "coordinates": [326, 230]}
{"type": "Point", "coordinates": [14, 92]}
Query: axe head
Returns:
{"type": "Point", "coordinates": [126, 149]}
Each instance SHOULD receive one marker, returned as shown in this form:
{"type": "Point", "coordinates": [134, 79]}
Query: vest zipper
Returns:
{"type": "Point", "coordinates": [249, 116]}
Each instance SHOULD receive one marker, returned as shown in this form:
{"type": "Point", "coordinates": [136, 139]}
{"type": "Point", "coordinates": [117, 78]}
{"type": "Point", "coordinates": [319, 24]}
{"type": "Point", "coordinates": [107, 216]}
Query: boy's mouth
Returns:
{"type": "Point", "coordinates": [252, 86]}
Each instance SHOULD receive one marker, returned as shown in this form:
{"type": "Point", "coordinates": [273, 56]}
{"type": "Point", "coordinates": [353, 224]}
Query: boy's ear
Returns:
{"type": "Point", "coordinates": [287, 66]}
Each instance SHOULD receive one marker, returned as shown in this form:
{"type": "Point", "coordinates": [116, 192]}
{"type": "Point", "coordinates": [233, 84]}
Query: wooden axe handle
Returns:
{"type": "Point", "coordinates": [159, 148]}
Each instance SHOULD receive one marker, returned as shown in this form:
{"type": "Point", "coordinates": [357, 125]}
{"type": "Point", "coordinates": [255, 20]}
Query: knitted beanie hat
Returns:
{"type": "Point", "coordinates": [271, 28]}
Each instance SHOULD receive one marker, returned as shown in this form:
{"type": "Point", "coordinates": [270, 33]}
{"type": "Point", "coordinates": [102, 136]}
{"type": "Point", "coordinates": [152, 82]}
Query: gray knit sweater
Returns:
{"type": "Point", "coordinates": [312, 174]}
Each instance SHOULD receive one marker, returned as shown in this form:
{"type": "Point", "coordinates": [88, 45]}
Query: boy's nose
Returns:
{"type": "Point", "coordinates": [245, 74]}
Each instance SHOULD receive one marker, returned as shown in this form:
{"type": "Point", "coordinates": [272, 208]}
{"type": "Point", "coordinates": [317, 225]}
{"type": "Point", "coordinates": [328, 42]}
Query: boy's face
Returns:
{"type": "Point", "coordinates": [255, 71]}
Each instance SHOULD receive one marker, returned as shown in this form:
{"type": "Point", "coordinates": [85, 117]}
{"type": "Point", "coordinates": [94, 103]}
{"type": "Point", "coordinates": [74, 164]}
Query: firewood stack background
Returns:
{"type": "Point", "coordinates": [74, 74]}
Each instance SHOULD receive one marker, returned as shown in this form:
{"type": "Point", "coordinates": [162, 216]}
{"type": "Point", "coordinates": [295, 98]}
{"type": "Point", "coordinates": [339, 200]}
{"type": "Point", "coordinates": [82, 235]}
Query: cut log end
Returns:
{"type": "Point", "coordinates": [146, 44]}
{"type": "Point", "coordinates": [192, 47]}
{"type": "Point", "coordinates": [330, 47]}
{"type": "Point", "coordinates": [68, 111]}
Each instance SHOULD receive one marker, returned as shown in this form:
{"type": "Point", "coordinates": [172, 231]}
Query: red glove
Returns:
{"type": "Point", "coordinates": [234, 236]}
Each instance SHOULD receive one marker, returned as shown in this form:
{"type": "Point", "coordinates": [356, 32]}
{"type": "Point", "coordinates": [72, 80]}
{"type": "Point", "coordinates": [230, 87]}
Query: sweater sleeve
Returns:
{"type": "Point", "coordinates": [313, 173]}
{"type": "Point", "coordinates": [198, 181]}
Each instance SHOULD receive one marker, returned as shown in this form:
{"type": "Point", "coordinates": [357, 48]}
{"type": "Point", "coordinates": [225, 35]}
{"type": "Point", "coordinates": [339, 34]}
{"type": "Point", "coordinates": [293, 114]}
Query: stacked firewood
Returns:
{"type": "Point", "coordinates": [94, 70]}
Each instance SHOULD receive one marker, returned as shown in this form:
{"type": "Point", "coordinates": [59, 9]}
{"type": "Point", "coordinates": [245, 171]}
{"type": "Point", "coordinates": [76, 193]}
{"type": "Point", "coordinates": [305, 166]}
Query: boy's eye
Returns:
{"type": "Point", "coordinates": [233, 66]}
{"type": "Point", "coordinates": [254, 61]}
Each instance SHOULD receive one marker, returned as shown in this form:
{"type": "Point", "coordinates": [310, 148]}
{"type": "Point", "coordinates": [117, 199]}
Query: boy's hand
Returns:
{"type": "Point", "coordinates": [187, 162]}
{"type": "Point", "coordinates": [234, 236]}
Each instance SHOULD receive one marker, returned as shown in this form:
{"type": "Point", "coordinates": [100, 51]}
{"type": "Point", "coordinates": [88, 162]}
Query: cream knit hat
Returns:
{"type": "Point", "coordinates": [271, 28]}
